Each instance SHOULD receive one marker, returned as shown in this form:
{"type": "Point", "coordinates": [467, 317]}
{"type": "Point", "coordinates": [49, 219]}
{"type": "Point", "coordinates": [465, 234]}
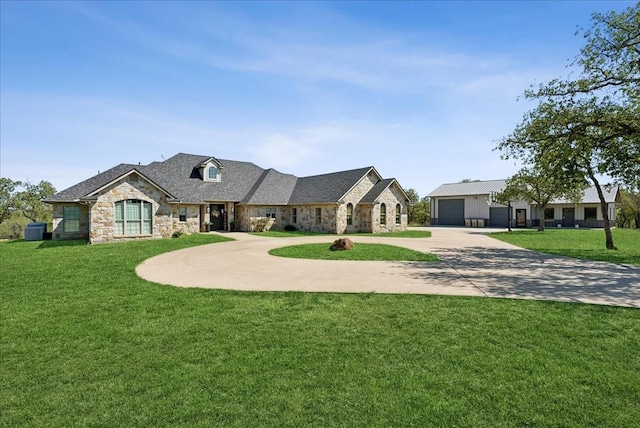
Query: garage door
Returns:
{"type": "Point", "coordinates": [451, 212]}
{"type": "Point", "coordinates": [498, 217]}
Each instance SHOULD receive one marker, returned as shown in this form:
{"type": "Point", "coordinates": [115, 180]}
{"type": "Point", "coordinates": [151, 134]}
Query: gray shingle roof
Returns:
{"type": "Point", "coordinates": [86, 187]}
{"type": "Point", "coordinates": [590, 195]}
{"type": "Point", "coordinates": [179, 175]}
{"type": "Point", "coordinates": [242, 182]}
{"type": "Point", "coordinates": [376, 191]}
{"type": "Point", "coordinates": [272, 188]}
{"type": "Point", "coordinates": [326, 188]}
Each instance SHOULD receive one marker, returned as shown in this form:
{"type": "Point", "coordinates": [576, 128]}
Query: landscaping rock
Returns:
{"type": "Point", "coordinates": [342, 244]}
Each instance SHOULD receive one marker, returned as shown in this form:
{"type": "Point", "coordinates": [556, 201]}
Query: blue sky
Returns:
{"type": "Point", "coordinates": [420, 90]}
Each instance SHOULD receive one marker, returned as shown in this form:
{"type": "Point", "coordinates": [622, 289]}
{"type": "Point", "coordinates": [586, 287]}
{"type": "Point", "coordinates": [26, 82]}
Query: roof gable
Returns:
{"type": "Point", "coordinates": [377, 190]}
{"type": "Point", "coordinates": [90, 185]}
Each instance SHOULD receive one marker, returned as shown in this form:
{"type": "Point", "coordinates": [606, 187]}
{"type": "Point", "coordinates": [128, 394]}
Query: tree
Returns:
{"type": "Point", "coordinates": [538, 188]}
{"type": "Point", "coordinates": [589, 127]}
{"type": "Point", "coordinates": [422, 211]}
{"type": "Point", "coordinates": [7, 198]}
{"type": "Point", "coordinates": [419, 209]}
{"type": "Point", "coordinates": [29, 201]}
{"type": "Point", "coordinates": [413, 198]}
{"type": "Point", "coordinates": [628, 214]}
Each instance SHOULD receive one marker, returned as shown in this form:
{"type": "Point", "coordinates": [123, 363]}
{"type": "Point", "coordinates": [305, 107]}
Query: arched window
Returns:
{"type": "Point", "coordinates": [383, 214]}
{"type": "Point", "coordinates": [349, 214]}
{"type": "Point", "coordinates": [398, 214]}
{"type": "Point", "coordinates": [133, 217]}
{"type": "Point", "coordinates": [213, 173]}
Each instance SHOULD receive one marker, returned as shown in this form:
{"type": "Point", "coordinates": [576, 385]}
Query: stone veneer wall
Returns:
{"type": "Point", "coordinates": [390, 197]}
{"type": "Point", "coordinates": [58, 233]}
{"type": "Point", "coordinates": [192, 223]}
{"type": "Point", "coordinates": [307, 218]}
{"type": "Point", "coordinates": [103, 211]}
{"type": "Point", "coordinates": [361, 219]}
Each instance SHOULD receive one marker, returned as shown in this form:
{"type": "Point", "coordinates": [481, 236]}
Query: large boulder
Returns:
{"type": "Point", "coordinates": [342, 244]}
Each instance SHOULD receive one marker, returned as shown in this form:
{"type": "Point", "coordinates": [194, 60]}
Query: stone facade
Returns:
{"type": "Point", "coordinates": [391, 197]}
{"type": "Point", "coordinates": [58, 233]}
{"type": "Point", "coordinates": [98, 222]}
{"type": "Point", "coordinates": [101, 214]}
{"type": "Point", "coordinates": [333, 217]}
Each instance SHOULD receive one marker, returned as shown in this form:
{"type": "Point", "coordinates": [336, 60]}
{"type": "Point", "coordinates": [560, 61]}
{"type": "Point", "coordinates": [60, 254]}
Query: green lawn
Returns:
{"type": "Point", "coordinates": [581, 243]}
{"type": "Point", "coordinates": [360, 251]}
{"type": "Point", "coordinates": [85, 342]}
{"type": "Point", "coordinates": [296, 233]}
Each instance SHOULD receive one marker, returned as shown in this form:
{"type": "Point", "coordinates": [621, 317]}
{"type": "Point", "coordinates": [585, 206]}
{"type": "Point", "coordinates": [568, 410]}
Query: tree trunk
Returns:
{"type": "Point", "coordinates": [541, 209]}
{"type": "Point", "coordinates": [605, 214]}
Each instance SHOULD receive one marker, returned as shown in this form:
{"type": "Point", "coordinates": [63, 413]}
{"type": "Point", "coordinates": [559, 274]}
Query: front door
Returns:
{"type": "Point", "coordinates": [521, 218]}
{"type": "Point", "coordinates": [568, 217]}
{"type": "Point", "coordinates": [216, 217]}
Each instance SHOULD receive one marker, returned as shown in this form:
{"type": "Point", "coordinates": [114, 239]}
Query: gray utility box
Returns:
{"type": "Point", "coordinates": [35, 231]}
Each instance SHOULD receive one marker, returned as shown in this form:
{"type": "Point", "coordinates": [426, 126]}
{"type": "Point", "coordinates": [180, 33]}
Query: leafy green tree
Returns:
{"type": "Point", "coordinates": [628, 214]}
{"type": "Point", "coordinates": [589, 127]}
{"type": "Point", "coordinates": [539, 188]}
{"type": "Point", "coordinates": [7, 198]}
{"type": "Point", "coordinates": [29, 201]}
{"type": "Point", "coordinates": [422, 213]}
{"type": "Point", "coordinates": [419, 209]}
{"type": "Point", "coordinates": [413, 198]}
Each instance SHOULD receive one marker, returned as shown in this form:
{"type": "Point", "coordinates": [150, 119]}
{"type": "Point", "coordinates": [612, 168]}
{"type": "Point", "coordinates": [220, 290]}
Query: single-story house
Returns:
{"type": "Point", "coordinates": [472, 204]}
{"type": "Point", "coordinates": [191, 193]}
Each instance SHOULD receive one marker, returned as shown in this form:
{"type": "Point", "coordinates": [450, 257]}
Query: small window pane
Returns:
{"type": "Point", "coordinates": [182, 214]}
{"type": "Point", "coordinates": [133, 210]}
{"type": "Point", "coordinates": [590, 213]}
{"type": "Point", "coordinates": [349, 214]}
{"type": "Point", "coordinates": [71, 219]}
{"type": "Point", "coordinates": [398, 214]}
{"type": "Point", "coordinates": [383, 214]}
{"type": "Point", "coordinates": [294, 214]}
{"type": "Point", "coordinates": [318, 215]}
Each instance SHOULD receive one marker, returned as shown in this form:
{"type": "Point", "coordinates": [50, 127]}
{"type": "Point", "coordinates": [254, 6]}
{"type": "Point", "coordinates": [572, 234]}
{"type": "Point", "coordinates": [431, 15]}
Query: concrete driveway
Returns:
{"type": "Point", "coordinates": [472, 264]}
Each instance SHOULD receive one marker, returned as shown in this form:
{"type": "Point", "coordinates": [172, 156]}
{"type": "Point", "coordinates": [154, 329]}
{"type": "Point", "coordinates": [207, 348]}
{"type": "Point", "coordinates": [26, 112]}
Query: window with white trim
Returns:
{"type": "Point", "coordinates": [398, 214]}
{"type": "Point", "coordinates": [71, 219]}
{"type": "Point", "coordinates": [349, 214]}
{"type": "Point", "coordinates": [383, 214]}
{"type": "Point", "coordinates": [133, 217]}
{"type": "Point", "coordinates": [271, 212]}
{"type": "Point", "coordinates": [213, 173]}
{"type": "Point", "coordinates": [182, 214]}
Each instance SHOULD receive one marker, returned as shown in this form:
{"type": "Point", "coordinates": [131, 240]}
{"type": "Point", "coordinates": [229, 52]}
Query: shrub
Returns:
{"type": "Point", "coordinates": [177, 234]}
{"type": "Point", "coordinates": [260, 224]}
{"type": "Point", "coordinates": [290, 228]}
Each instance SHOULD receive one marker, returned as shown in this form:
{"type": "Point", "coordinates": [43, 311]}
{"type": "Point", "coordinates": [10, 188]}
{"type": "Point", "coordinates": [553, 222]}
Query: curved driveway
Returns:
{"type": "Point", "coordinates": [472, 264]}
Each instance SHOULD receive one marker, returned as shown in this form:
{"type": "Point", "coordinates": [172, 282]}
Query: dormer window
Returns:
{"type": "Point", "coordinates": [210, 170]}
{"type": "Point", "coordinates": [213, 173]}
